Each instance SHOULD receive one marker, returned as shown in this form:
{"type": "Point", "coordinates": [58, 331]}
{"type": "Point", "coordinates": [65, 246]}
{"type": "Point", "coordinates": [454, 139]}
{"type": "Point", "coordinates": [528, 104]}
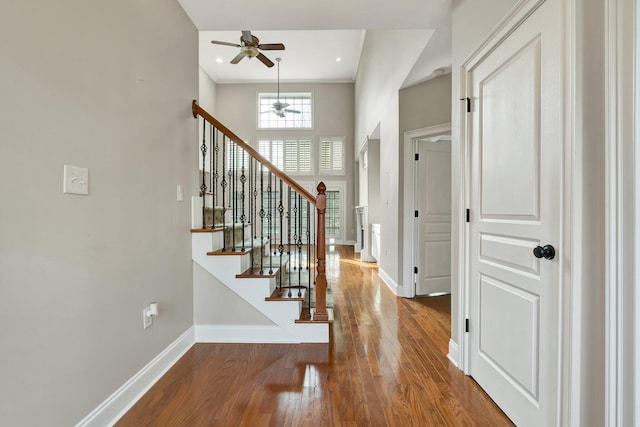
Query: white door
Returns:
{"type": "Point", "coordinates": [516, 149]}
{"type": "Point", "coordinates": [433, 189]}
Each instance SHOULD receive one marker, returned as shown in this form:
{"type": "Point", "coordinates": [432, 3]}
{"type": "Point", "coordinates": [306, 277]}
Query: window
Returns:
{"type": "Point", "coordinates": [335, 213]}
{"type": "Point", "coordinates": [332, 155]}
{"type": "Point", "coordinates": [298, 156]}
{"type": "Point", "coordinates": [333, 223]}
{"type": "Point", "coordinates": [300, 115]}
{"type": "Point", "coordinates": [272, 150]}
{"type": "Point", "coordinates": [291, 155]}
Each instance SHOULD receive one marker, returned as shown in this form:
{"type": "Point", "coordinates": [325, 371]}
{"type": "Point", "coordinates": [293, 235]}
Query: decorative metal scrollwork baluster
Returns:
{"type": "Point", "coordinates": [261, 219]}
{"type": "Point", "coordinates": [300, 247]}
{"type": "Point", "coordinates": [203, 186]}
{"type": "Point", "coordinates": [223, 185]}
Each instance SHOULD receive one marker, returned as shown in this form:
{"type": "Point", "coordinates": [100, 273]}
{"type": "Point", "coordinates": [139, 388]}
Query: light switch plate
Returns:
{"type": "Point", "coordinates": [180, 193]}
{"type": "Point", "coordinates": [76, 180]}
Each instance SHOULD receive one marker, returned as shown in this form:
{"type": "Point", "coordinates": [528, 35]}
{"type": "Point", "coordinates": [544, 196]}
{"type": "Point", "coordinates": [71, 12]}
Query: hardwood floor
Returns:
{"type": "Point", "coordinates": [386, 365]}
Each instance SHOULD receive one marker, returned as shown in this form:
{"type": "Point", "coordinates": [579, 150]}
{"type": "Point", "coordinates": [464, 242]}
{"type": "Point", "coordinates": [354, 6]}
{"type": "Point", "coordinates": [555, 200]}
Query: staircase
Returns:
{"type": "Point", "coordinates": [260, 235]}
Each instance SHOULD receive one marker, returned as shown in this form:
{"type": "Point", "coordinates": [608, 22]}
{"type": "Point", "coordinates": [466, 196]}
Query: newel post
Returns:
{"type": "Point", "coordinates": [320, 313]}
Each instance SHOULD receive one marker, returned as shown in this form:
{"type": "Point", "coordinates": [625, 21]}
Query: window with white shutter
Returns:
{"type": "Point", "coordinates": [272, 150]}
{"type": "Point", "coordinates": [292, 155]}
{"type": "Point", "coordinates": [332, 155]}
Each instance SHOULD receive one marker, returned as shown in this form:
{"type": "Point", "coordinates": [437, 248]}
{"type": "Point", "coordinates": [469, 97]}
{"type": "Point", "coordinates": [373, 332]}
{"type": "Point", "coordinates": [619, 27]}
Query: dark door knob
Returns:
{"type": "Point", "coordinates": [546, 251]}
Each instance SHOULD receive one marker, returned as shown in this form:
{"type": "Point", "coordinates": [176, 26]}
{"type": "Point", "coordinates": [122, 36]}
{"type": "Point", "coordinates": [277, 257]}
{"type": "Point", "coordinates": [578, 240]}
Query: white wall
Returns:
{"type": "Point", "coordinates": [471, 21]}
{"type": "Point", "coordinates": [387, 58]}
{"type": "Point", "coordinates": [106, 86]}
{"type": "Point", "coordinates": [333, 103]}
{"type": "Point", "coordinates": [207, 91]}
{"type": "Point", "coordinates": [216, 304]}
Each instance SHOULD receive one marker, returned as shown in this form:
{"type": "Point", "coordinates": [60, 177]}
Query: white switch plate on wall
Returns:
{"type": "Point", "coordinates": [180, 193]}
{"type": "Point", "coordinates": [76, 180]}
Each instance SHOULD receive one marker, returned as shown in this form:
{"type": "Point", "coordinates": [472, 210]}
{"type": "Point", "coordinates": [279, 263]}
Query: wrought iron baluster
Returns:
{"type": "Point", "coordinates": [308, 232]}
{"type": "Point", "coordinates": [234, 194]}
{"type": "Point", "coordinates": [289, 236]}
{"type": "Point", "coordinates": [269, 222]}
{"type": "Point", "coordinates": [203, 186]}
{"type": "Point", "coordinates": [243, 217]}
{"type": "Point", "coordinates": [280, 245]}
{"type": "Point", "coordinates": [216, 192]}
{"type": "Point", "coordinates": [223, 184]}
{"type": "Point", "coordinates": [213, 132]}
{"type": "Point", "coordinates": [261, 218]}
{"type": "Point", "coordinates": [300, 247]}
{"type": "Point", "coordinates": [251, 209]}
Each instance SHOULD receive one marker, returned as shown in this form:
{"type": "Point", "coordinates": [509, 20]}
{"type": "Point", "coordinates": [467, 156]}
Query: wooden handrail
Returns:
{"type": "Point", "coordinates": [198, 110]}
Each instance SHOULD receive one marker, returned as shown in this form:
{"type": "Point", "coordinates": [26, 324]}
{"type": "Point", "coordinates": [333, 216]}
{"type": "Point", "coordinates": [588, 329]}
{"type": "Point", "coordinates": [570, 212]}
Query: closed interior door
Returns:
{"type": "Point", "coordinates": [516, 148]}
{"type": "Point", "coordinates": [434, 217]}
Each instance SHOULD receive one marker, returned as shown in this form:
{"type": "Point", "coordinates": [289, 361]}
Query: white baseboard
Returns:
{"type": "Point", "coordinates": [391, 284]}
{"type": "Point", "coordinates": [116, 405]}
{"type": "Point", "coordinates": [453, 353]}
{"type": "Point", "coordinates": [241, 334]}
{"type": "Point", "coordinates": [350, 242]}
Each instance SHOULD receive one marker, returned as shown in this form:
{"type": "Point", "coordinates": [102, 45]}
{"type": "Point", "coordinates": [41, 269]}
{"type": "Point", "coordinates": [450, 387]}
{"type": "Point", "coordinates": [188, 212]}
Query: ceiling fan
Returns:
{"type": "Point", "coordinates": [250, 46]}
{"type": "Point", "coordinates": [279, 108]}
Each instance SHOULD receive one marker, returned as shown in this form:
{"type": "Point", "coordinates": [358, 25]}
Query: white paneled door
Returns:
{"type": "Point", "coordinates": [434, 218]}
{"type": "Point", "coordinates": [516, 140]}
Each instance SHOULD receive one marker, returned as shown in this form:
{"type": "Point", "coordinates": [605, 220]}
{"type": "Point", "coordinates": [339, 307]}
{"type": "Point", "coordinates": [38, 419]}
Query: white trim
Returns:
{"type": "Point", "coordinates": [409, 166]}
{"type": "Point", "coordinates": [116, 405]}
{"type": "Point", "coordinates": [272, 334]}
{"type": "Point", "coordinates": [620, 56]}
{"type": "Point", "coordinates": [453, 352]}
{"type": "Point", "coordinates": [391, 284]}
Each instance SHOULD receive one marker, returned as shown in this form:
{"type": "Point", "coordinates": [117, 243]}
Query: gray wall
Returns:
{"type": "Point", "coordinates": [387, 58]}
{"type": "Point", "coordinates": [236, 108]}
{"type": "Point", "coordinates": [422, 105]}
{"type": "Point", "coordinates": [106, 86]}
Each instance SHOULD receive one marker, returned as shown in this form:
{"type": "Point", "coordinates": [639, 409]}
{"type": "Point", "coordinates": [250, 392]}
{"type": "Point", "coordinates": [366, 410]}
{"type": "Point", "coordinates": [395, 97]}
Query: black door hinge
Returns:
{"type": "Point", "coordinates": [416, 214]}
{"type": "Point", "coordinates": [468, 215]}
{"type": "Point", "coordinates": [468, 100]}
{"type": "Point", "coordinates": [417, 156]}
{"type": "Point", "coordinates": [466, 325]}
{"type": "Point", "coordinates": [415, 270]}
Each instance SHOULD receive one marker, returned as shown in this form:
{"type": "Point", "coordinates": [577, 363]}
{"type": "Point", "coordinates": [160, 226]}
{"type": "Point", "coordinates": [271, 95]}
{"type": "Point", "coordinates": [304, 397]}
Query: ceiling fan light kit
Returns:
{"type": "Point", "coordinates": [250, 47]}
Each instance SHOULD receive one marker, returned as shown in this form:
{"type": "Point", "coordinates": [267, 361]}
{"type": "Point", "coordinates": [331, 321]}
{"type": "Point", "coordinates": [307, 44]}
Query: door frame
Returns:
{"type": "Point", "coordinates": [622, 55]}
{"type": "Point", "coordinates": [569, 308]}
{"type": "Point", "coordinates": [409, 222]}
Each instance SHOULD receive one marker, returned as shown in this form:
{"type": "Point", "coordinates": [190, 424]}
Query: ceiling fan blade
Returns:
{"type": "Point", "coordinates": [225, 43]}
{"type": "Point", "coordinates": [246, 36]}
{"type": "Point", "coordinates": [266, 61]}
{"type": "Point", "coordinates": [237, 58]}
{"type": "Point", "coordinates": [271, 46]}
{"type": "Point", "coordinates": [292, 111]}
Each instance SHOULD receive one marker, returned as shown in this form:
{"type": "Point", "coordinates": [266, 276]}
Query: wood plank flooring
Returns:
{"type": "Point", "coordinates": [386, 365]}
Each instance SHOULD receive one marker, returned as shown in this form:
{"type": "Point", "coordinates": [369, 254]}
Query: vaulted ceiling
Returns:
{"type": "Point", "coordinates": [316, 34]}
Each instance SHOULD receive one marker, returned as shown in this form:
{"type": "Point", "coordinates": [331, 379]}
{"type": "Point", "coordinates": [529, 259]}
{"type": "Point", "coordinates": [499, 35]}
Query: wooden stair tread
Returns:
{"type": "Point", "coordinates": [206, 230]}
{"type": "Point", "coordinates": [275, 296]}
{"type": "Point", "coordinates": [229, 252]}
{"type": "Point", "coordinates": [304, 316]}
{"type": "Point", "coordinates": [253, 273]}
